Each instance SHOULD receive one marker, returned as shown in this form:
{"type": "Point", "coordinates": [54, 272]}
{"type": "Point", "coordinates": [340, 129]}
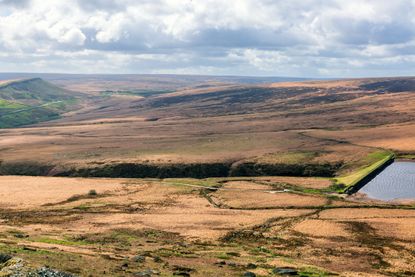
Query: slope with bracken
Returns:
{"type": "Point", "coordinates": [34, 100]}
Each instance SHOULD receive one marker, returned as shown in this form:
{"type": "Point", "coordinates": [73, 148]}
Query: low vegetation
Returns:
{"type": "Point", "coordinates": [25, 102]}
{"type": "Point", "coordinates": [222, 211]}
{"type": "Point", "coordinates": [313, 235]}
{"type": "Point", "coordinates": [142, 93]}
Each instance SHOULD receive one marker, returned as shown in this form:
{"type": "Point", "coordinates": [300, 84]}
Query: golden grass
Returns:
{"type": "Point", "coordinates": [111, 228]}
{"type": "Point", "coordinates": [259, 199]}
{"type": "Point", "coordinates": [246, 185]}
{"type": "Point", "coordinates": [21, 192]}
{"type": "Point", "coordinates": [322, 228]}
{"type": "Point", "coordinates": [397, 136]}
{"type": "Point", "coordinates": [395, 228]}
{"type": "Point", "coordinates": [363, 213]}
{"type": "Point", "coordinates": [306, 182]}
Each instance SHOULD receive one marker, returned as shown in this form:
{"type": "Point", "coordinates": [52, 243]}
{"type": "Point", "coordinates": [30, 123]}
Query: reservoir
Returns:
{"type": "Point", "coordinates": [397, 181]}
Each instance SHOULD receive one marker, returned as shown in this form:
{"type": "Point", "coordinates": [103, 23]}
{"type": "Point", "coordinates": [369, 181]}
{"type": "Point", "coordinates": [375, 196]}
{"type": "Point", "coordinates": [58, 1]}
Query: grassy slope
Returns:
{"type": "Point", "coordinates": [375, 160]}
{"type": "Point", "coordinates": [33, 91]}
{"type": "Point", "coordinates": [236, 124]}
{"type": "Point", "coordinates": [30, 101]}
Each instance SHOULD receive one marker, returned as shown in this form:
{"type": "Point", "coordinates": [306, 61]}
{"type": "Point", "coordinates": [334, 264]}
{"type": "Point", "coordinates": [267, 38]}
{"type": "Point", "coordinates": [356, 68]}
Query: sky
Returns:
{"type": "Point", "coordinates": [298, 38]}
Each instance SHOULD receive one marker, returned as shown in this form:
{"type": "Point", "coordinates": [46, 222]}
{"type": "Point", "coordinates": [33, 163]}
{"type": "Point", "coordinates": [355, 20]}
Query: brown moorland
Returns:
{"type": "Point", "coordinates": [202, 226]}
{"type": "Point", "coordinates": [181, 225]}
{"type": "Point", "coordinates": [326, 122]}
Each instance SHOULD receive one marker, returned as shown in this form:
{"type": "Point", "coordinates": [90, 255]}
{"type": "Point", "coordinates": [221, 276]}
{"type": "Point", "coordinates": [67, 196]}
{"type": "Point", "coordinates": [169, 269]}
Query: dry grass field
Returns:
{"type": "Point", "coordinates": [397, 137]}
{"type": "Point", "coordinates": [231, 222]}
{"type": "Point", "coordinates": [179, 226]}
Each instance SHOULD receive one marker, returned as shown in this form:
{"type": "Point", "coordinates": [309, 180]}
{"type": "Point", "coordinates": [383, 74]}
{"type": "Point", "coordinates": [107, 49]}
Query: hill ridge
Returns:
{"type": "Point", "coordinates": [33, 100]}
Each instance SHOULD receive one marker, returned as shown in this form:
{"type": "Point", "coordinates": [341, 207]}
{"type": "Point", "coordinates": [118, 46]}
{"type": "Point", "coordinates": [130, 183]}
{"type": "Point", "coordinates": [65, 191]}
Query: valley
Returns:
{"type": "Point", "coordinates": [210, 138]}
{"type": "Point", "coordinates": [189, 176]}
{"type": "Point", "coordinates": [330, 128]}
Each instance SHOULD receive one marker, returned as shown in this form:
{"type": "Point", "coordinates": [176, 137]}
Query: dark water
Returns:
{"type": "Point", "coordinates": [397, 181]}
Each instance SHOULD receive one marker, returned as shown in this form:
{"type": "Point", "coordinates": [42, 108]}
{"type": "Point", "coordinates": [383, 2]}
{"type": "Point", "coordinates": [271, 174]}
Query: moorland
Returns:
{"type": "Point", "coordinates": [195, 175]}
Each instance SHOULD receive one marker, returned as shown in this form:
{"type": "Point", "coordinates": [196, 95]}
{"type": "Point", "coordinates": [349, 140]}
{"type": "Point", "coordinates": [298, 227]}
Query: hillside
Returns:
{"type": "Point", "coordinates": [96, 83]}
{"type": "Point", "coordinates": [241, 179]}
{"type": "Point", "coordinates": [31, 101]}
{"type": "Point", "coordinates": [351, 102]}
{"type": "Point", "coordinates": [297, 128]}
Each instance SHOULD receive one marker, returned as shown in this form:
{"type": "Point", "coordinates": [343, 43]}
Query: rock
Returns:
{"type": "Point", "coordinates": [251, 266]}
{"type": "Point", "coordinates": [183, 244]}
{"type": "Point", "coordinates": [47, 272]}
{"type": "Point", "coordinates": [249, 274]}
{"type": "Point", "coordinates": [4, 258]}
{"type": "Point", "coordinates": [142, 274]}
{"type": "Point", "coordinates": [182, 268]}
{"type": "Point", "coordinates": [147, 273]}
{"type": "Point", "coordinates": [285, 271]}
{"type": "Point", "coordinates": [15, 267]}
{"type": "Point", "coordinates": [28, 248]}
{"type": "Point", "coordinates": [182, 271]}
{"type": "Point", "coordinates": [20, 235]}
{"type": "Point", "coordinates": [139, 259]}
{"type": "Point", "coordinates": [151, 241]}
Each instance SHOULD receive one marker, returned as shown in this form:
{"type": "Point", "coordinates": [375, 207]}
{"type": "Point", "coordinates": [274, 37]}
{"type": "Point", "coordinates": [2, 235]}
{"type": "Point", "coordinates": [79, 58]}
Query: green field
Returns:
{"type": "Point", "coordinates": [31, 101]}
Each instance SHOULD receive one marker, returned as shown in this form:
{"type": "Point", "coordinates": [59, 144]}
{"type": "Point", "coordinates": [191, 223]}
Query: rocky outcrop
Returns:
{"type": "Point", "coordinates": [16, 267]}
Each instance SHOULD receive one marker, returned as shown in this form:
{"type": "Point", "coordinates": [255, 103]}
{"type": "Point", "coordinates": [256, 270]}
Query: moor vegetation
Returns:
{"type": "Point", "coordinates": [200, 175]}
{"type": "Point", "coordinates": [227, 129]}
{"type": "Point", "coordinates": [29, 101]}
{"type": "Point", "coordinates": [193, 227]}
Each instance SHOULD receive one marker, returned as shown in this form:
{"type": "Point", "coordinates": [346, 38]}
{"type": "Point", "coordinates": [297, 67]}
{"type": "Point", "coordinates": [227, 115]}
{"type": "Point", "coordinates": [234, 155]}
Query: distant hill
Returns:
{"type": "Point", "coordinates": [320, 126]}
{"type": "Point", "coordinates": [391, 85]}
{"type": "Point", "coordinates": [34, 100]}
{"type": "Point", "coordinates": [139, 83]}
{"type": "Point", "coordinates": [33, 91]}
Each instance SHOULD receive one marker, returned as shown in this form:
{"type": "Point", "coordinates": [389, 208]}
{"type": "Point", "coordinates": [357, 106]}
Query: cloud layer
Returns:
{"type": "Point", "coordinates": [307, 38]}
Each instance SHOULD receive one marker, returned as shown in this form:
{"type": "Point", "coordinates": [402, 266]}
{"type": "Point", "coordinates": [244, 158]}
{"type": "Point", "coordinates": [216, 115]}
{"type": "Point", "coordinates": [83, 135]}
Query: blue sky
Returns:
{"type": "Point", "coordinates": [300, 38]}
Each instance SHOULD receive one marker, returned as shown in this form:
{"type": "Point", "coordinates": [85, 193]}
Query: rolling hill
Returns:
{"type": "Point", "coordinates": [95, 83]}
{"type": "Point", "coordinates": [299, 128]}
{"type": "Point", "coordinates": [178, 219]}
{"type": "Point", "coordinates": [31, 101]}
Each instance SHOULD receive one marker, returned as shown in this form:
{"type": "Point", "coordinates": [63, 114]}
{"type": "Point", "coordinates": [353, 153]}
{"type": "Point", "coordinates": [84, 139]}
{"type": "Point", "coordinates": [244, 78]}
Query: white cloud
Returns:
{"type": "Point", "coordinates": [250, 37]}
{"type": "Point", "coordinates": [110, 29]}
{"type": "Point", "coordinates": [73, 36]}
{"type": "Point", "coordinates": [261, 59]}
